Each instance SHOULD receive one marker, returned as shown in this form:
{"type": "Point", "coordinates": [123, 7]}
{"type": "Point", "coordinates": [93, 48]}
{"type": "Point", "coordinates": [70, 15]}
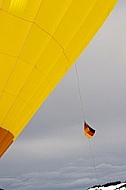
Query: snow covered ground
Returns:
{"type": "Point", "coordinates": [111, 186]}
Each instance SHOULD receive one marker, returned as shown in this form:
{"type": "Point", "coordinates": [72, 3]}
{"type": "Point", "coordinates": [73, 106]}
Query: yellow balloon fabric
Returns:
{"type": "Point", "coordinates": [39, 42]}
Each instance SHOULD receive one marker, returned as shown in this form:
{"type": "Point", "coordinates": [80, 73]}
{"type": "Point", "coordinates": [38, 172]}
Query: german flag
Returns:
{"type": "Point", "coordinates": [88, 131]}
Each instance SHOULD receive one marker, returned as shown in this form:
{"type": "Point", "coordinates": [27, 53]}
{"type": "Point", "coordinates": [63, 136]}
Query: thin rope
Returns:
{"type": "Point", "coordinates": [94, 165]}
{"type": "Point", "coordinates": [82, 109]}
{"type": "Point", "coordinates": [79, 90]}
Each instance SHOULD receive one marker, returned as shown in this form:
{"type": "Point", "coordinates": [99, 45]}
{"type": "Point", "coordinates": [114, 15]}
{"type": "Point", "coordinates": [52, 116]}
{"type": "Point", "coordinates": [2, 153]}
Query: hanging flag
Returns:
{"type": "Point", "coordinates": [88, 131]}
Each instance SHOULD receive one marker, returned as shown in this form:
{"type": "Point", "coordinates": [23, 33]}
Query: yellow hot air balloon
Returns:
{"type": "Point", "coordinates": [39, 42]}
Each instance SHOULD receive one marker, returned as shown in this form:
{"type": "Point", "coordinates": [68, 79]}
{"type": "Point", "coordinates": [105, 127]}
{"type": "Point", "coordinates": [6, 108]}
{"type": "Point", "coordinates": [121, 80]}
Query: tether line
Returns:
{"type": "Point", "coordinates": [82, 109]}
{"type": "Point", "coordinates": [94, 165]}
{"type": "Point", "coordinates": [79, 90]}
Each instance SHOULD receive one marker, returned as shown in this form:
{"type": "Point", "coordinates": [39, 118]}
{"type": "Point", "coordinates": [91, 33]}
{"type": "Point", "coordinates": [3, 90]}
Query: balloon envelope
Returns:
{"type": "Point", "coordinates": [39, 42]}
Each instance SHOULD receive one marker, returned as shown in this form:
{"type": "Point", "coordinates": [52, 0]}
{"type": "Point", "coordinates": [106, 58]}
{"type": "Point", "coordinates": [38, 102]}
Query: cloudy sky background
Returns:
{"type": "Point", "coordinates": [52, 153]}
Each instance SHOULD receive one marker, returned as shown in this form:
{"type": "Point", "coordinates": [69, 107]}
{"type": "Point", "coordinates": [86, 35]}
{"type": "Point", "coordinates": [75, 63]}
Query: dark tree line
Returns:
{"type": "Point", "coordinates": [111, 183]}
{"type": "Point", "coordinates": [108, 184]}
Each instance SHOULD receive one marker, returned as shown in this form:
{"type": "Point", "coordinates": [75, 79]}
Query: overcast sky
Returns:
{"type": "Point", "coordinates": [52, 153]}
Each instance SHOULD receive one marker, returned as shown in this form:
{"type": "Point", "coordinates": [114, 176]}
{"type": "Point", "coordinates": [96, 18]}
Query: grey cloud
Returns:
{"type": "Point", "coordinates": [71, 177]}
